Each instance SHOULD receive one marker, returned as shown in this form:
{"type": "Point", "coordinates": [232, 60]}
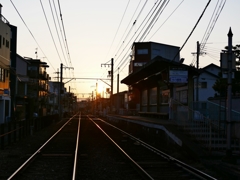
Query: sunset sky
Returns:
{"type": "Point", "coordinates": [96, 31]}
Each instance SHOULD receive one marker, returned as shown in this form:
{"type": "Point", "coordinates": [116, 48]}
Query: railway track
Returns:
{"type": "Point", "coordinates": [85, 148]}
{"type": "Point", "coordinates": [155, 163]}
{"type": "Point", "coordinates": [55, 158]}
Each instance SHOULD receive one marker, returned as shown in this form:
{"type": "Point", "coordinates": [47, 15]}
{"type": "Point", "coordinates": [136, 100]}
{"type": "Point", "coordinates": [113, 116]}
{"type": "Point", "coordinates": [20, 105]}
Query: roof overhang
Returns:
{"type": "Point", "coordinates": [153, 70]}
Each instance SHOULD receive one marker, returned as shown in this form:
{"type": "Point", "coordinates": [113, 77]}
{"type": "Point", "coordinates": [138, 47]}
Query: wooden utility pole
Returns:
{"type": "Point", "coordinates": [197, 80]}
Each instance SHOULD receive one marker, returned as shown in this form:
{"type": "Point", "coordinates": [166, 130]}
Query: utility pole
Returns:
{"type": "Point", "coordinates": [58, 80]}
{"type": "Point", "coordinates": [96, 97]}
{"type": "Point", "coordinates": [69, 100]}
{"type": "Point", "coordinates": [111, 77]}
{"type": "Point", "coordinates": [111, 100]}
{"type": "Point", "coordinates": [197, 66]}
{"type": "Point", "coordinates": [60, 91]}
{"type": "Point", "coordinates": [229, 93]}
{"type": "Point", "coordinates": [197, 80]}
{"type": "Point", "coordinates": [92, 104]}
{"type": "Point", "coordinates": [118, 91]}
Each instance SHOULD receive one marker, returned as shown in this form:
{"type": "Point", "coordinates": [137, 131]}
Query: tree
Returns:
{"type": "Point", "coordinates": [221, 84]}
{"type": "Point", "coordinates": [236, 51]}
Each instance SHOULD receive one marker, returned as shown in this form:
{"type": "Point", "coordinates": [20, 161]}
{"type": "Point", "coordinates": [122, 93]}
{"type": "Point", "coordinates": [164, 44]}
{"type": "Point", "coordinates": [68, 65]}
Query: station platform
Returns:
{"type": "Point", "coordinates": [170, 128]}
{"type": "Point", "coordinates": [216, 159]}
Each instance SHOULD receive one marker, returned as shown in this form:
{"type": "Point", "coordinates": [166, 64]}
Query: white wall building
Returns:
{"type": "Point", "coordinates": [206, 80]}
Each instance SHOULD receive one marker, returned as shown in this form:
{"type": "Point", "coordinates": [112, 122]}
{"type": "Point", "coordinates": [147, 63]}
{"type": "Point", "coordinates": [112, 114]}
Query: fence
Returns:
{"type": "Point", "coordinates": [14, 131]}
{"type": "Point", "coordinates": [205, 122]}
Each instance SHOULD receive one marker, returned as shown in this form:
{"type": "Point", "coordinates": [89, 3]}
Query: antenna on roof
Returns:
{"type": "Point", "coordinates": [36, 53]}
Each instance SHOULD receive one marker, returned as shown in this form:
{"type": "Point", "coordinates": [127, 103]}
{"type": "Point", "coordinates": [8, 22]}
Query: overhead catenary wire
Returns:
{"type": "Point", "coordinates": [116, 58]}
{"type": "Point", "coordinates": [32, 34]}
{"type": "Point", "coordinates": [130, 41]}
{"type": "Point", "coordinates": [164, 21]}
{"type": "Point", "coordinates": [167, 19]}
{"type": "Point", "coordinates": [213, 20]}
{"type": "Point", "coordinates": [57, 32]}
{"type": "Point", "coordinates": [118, 27]}
{"type": "Point", "coordinates": [154, 19]}
{"type": "Point", "coordinates": [50, 30]}
{"type": "Point", "coordinates": [149, 19]}
{"type": "Point", "coordinates": [66, 51]}
{"type": "Point", "coordinates": [212, 23]}
{"type": "Point", "coordinates": [133, 25]}
{"type": "Point", "coordinates": [193, 29]}
{"type": "Point", "coordinates": [65, 37]}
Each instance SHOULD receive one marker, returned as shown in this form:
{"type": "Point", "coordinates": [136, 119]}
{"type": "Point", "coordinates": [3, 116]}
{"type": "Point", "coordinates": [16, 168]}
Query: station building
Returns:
{"type": "Point", "coordinates": [156, 76]}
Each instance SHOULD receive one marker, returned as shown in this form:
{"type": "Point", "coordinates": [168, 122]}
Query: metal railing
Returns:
{"type": "Point", "coordinates": [15, 130]}
{"type": "Point", "coordinates": [202, 122]}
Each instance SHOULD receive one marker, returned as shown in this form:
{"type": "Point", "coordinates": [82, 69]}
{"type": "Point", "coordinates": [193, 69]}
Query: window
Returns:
{"type": "Point", "coordinates": [3, 41]}
{"type": "Point", "coordinates": [7, 43]}
{"type": "Point", "coordinates": [153, 96]}
{"type": "Point", "coordinates": [203, 84]}
{"type": "Point", "coordinates": [144, 97]}
{"type": "Point", "coordinates": [0, 41]}
{"type": "Point", "coordinates": [142, 51]}
{"type": "Point", "coordinates": [1, 75]}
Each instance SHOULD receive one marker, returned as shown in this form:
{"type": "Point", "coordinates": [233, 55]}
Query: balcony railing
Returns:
{"type": "Point", "coordinates": [44, 76]}
{"type": "Point", "coordinates": [43, 87]}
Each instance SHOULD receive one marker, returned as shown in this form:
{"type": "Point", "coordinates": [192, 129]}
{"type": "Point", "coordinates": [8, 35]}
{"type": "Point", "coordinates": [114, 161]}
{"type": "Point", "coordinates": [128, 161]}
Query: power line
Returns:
{"type": "Point", "coordinates": [137, 30]}
{"type": "Point", "coordinates": [212, 23]}
{"type": "Point", "coordinates": [148, 19]}
{"type": "Point", "coordinates": [156, 20]}
{"type": "Point", "coordinates": [50, 30]}
{"type": "Point", "coordinates": [154, 13]}
{"type": "Point", "coordinates": [129, 30]}
{"type": "Point", "coordinates": [215, 15]}
{"type": "Point", "coordinates": [133, 24]}
{"type": "Point", "coordinates": [57, 32]}
{"type": "Point", "coordinates": [32, 35]}
{"type": "Point", "coordinates": [167, 18]}
{"type": "Point", "coordinates": [193, 29]}
{"type": "Point", "coordinates": [118, 27]}
{"type": "Point", "coordinates": [64, 31]}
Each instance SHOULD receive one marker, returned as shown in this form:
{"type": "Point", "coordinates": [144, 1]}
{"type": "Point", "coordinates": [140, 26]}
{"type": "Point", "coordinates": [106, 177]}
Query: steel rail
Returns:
{"type": "Point", "coordinates": [146, 175]}
{"type": "Point", "coordinates": [38, 151]}
{"type": "Point", "coordinates": [76, 150]}
{"type": "Point", "coordinates": [166, 156]}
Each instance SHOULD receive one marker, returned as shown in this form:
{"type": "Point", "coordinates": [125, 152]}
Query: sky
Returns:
{"type": "Point", "coordinates": [90, 33]}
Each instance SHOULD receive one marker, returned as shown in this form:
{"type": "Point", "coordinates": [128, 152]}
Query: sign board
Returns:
{"type": "Point", "coordinates": [224, 61]}
{"type": "Point", "coordinates": [178, 75]}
